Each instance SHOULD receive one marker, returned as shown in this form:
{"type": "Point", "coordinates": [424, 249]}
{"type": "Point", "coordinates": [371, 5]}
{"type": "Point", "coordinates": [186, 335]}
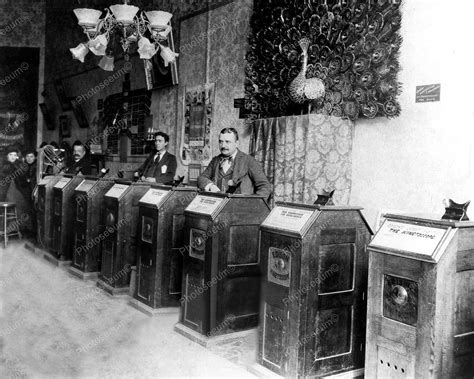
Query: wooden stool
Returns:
{"type": "Point", "coordinates": [10, 225]}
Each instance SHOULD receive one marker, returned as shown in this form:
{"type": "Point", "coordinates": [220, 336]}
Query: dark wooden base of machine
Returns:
{"type": "Point", "coordinates": [263, 372]}
{"type": "Point", "coordinates": [83, 275]}
{"type": "Point", "coordinates": [34, 249]}
{"type": "Point", "coordinates": [212, 340]}
{"type": "Point", "coordinates": [51, 258]}
{"type": "Point", "coordinates": [123, 291]}
{"type": "Point", "coordinates": [149, 311]}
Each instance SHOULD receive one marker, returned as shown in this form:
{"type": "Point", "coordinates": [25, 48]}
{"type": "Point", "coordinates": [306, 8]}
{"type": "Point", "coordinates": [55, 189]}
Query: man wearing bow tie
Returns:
{"type": "Point", "coordinates": [160, 166]}
{"type": "Point", "coordinates": [233, 171]}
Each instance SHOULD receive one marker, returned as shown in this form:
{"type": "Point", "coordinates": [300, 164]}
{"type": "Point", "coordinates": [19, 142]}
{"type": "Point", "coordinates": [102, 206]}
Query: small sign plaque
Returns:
{"type": "Point", "coordinates": [287, 218]}
{"type": "Point", "coordinates": [62, 183]}
{"type": "Point", "coordinates": [154, 196]}
{"type": "Point", "coordinates": [204, 204]}
{"type": "Point", "coordinates": [117, 190]}
{"type": "Point", "coordinates": [85, 186]}
{"type": "Point", "coordinates": [412, 238]}
{"type": "Point", "coordinates": [428, 92]}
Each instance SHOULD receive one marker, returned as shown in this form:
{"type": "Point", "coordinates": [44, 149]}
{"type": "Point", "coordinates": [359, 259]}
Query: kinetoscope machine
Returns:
{"type": "Point", "coordinates": [159, 260]}
{"type": "Point", "coordinates": [221, 273]}
{"type": "Point", "coordinates": [420, 319]}
{"type": "Point", "coordinates": [119, 243]}
{"type": "Point", "coordinates": [314, 282]}
{"type": "Point", "coordinates": [88, 226]}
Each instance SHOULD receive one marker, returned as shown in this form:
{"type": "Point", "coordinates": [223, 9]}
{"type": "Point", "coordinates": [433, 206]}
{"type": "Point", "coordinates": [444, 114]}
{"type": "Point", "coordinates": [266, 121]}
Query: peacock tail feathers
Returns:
{"type": "Point", "coordinates": [352, 50]}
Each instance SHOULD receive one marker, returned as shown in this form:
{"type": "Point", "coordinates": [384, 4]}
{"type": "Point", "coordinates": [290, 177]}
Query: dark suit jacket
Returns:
{"type": "Point", "coordinates": [248, 176]}
{"type": "Point", "coordinates": [154, 169]}
{"type": "Point", "coordinates": [82, 166]}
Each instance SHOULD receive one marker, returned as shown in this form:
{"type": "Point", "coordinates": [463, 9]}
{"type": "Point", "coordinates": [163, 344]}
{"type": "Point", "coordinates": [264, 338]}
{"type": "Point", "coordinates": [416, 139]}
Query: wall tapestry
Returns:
{"type": "Point", "coordinates": [335, 57]}
{"type": "Point", "coordinates": [197, 122]}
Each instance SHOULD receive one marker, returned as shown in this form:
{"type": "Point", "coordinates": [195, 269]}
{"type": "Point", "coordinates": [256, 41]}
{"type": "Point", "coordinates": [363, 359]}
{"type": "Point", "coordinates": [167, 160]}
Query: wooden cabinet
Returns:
{"type": "Point", "coordinates": [160, 235]}
{"type": "Point", "coordinates": [420, 320]}
{"type": "Point", "coordinates": [119, 243]}
{"type": "Point", "coordinates": [44, 212]}
{"type": "Point", "coordinates": [88, 225]}
{"type": "Point", "coordinates": [314, 280]}
{"type": "Point", "coordinates": [221, 274]}
{"type": "Point", "coordinates": [62, 217]}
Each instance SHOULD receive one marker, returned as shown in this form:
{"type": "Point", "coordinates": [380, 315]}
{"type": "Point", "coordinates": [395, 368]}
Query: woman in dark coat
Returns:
{"type": "Point", "coordinates": [30, 159]}
{"type": "Point", "coordinates": [17, 190]}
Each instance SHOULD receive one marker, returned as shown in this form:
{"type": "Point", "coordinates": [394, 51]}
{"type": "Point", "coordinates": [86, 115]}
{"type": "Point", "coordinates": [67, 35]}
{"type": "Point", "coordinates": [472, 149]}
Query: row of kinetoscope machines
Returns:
{"type": "Point", "coordinates": [301, 273]}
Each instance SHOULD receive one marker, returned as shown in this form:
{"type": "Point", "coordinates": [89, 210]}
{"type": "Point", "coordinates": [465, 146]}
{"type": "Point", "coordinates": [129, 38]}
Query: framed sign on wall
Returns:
{"type": "Point", "coordinates": [197, 122]}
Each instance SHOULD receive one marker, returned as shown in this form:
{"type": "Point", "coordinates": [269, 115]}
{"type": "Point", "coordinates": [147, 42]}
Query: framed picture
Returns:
{"type": "Point", "coordinates": [79, 114]}
{"type": "Point", "coordinates": [156, 73]}
{"type": "Point", "coordinates": [65, 126]}
{"type": "Point", "coordinates": [197, 124]}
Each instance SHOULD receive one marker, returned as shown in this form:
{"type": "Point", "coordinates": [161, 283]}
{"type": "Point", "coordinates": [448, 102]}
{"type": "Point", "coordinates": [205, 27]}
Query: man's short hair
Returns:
{"type": "Point", "coordinates": [165, 136]}
{"type": "Point", "coordinates": [230, 130]}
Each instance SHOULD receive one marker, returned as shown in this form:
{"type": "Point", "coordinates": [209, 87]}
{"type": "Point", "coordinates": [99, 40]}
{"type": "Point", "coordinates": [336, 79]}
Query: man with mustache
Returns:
{"type": "Point", "coordinates": [234, 171]}
{"type": "Point", "coordinates": [82, 163]}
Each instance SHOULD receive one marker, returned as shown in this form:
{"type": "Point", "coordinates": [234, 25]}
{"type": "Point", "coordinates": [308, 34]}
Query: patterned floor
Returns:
{"type": "Point", "coordinates": [57, 326]}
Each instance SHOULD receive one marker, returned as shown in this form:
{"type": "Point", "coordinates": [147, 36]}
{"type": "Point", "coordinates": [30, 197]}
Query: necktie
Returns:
{"type": "Point", "coordinates": [226, 163]}
{"type": "Point", "coordinates": [157, 157]}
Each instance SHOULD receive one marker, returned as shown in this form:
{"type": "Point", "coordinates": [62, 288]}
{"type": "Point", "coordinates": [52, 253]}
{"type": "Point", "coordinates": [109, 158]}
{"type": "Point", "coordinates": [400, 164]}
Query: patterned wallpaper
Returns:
{"type": "Point", "coordinates": [164, 112]}
{"type": "Point", "coordinates": [229, 27]}
{"type": "Point", "coordinates": [212, 48]}
{"type": "Point", "coordinates": [22, 23]}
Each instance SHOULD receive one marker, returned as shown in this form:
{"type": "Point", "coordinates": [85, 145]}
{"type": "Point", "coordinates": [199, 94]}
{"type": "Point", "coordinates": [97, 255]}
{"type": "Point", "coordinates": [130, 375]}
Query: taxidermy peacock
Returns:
{"type": "Point", "coordinates": [303, 88]}
{"type": "Point", "coordinates": [349, 55]}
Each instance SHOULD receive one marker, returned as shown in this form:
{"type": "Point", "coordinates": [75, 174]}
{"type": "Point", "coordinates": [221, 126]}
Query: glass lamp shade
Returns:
{"type": "Point", "coordinates": [87, 17]}
{"type": "Point", "coordinates": [98, 44]}
{"type": "Point", "coordinates": [79, 52]}
{"type": "Point", "coordinates": [158, 18]}
{"type": "Point", "coordinates": [168, 55]}
{"type": "Point", "coordinates": [124, 13]}
{"type": "Point", "coordinates": [145, 48]}
{"type": "Point", "coordinates": [107, 63]}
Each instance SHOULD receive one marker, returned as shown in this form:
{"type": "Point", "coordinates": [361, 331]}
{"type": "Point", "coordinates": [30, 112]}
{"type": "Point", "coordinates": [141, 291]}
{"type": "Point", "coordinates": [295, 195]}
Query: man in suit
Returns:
{"type": "Point", "coordinates": [81, 164]}
{"type": "Point", "coordinates": [233, 171]}
{"type": "Point", "coordinates": [160, 166]}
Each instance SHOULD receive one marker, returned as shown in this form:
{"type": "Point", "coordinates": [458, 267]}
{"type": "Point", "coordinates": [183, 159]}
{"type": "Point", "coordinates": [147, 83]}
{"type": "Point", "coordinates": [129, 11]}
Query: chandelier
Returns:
{"type": "Point", "coordinates": [148, 29]}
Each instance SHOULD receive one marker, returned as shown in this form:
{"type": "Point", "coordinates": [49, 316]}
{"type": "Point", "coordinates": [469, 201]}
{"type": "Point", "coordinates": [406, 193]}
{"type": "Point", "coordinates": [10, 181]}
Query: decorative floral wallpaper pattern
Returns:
{"type": "Point", "coordinates": [303, 155]}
